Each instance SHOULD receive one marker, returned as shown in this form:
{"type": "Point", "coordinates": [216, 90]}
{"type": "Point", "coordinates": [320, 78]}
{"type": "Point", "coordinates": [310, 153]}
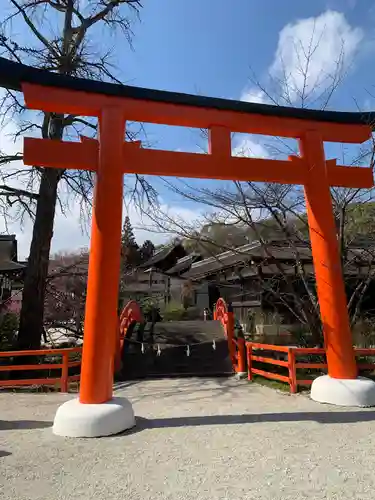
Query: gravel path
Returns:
{"type": "Point", "coordinates": [196, 440]}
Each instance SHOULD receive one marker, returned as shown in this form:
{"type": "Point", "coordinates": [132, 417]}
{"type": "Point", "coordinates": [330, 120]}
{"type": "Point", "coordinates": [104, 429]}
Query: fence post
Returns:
{"type": "Point", "coordinates": [64, 372]}
{"type": "Point", "coordinates": [241, 360]}
{"type": "Point", "coordinates": [249, 350]}
{"type": "Point", "coordinates": [292, 371]}
{"type": "Point", "coordinates": [230, 334]}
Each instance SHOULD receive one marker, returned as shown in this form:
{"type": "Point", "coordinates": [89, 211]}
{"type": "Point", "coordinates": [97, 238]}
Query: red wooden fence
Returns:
{"type": "Point", "coordinates": [64, 379]}
{"type": "Point", "coordinates": [292, 363]}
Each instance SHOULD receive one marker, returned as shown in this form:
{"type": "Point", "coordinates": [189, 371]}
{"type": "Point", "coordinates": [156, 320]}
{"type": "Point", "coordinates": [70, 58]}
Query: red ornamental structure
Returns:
{"type": "Point", "coordinates": [110, 157]}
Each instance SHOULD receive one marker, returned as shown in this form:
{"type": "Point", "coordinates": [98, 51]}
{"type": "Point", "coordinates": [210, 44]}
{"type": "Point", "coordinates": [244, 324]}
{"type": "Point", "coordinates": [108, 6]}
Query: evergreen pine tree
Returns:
{"type": "Point", "coordinates": [147, 250]}
{"type": "Point", "coordinates": [129, 249]}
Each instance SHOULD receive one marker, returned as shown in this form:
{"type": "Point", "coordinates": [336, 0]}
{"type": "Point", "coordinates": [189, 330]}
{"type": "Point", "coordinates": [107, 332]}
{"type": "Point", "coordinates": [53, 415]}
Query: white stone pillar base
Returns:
{"type": "Point", "coordinates": [241, 375]}
{"type": "Point", "coordinates": [344, 392]}
{"type": "Point", "coordinates": [74, 419]}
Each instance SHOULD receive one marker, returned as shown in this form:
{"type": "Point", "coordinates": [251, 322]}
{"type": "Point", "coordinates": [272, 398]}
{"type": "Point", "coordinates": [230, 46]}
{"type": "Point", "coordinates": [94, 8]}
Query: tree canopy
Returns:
{"type": "Point", "coordinates": [65, 37]}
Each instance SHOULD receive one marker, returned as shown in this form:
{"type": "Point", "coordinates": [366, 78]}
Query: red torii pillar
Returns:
{"type": "Point", "coordinates": [101, 315]}
{"type": "Point", "coordinates": [96, 413]}
{"type": "Point", "coordinates": [327, 262]}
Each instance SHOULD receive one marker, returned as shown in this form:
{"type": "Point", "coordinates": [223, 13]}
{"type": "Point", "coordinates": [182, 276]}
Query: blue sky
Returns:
{"type": "Point", "coordinates": [194, 47]}
{"type": "Point", "coordinates": [213, 47]}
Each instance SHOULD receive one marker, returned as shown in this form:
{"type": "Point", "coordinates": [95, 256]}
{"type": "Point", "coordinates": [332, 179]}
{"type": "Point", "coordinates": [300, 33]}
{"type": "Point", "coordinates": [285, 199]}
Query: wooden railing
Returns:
{"type": "Point", "coordinates": [251, 357]}
{"type": "Point", "coordinates": [131, 313]}
{"type": "Point", "coordinates": [64, 379]}
{"type": "Point", "coordinates": [305, 351]}
{"type": "Point", "coordinates": [291, 363]}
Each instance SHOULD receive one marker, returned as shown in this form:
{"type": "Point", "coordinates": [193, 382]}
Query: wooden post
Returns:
{"type": "Point", "coordinates": [101, 320]}
{"type": "Point", "coordinates": [329, 278]}
{"type": "Point", "coordinates": [292, 371]}
{"type": "Point", "coordinates": [219, 142]}
{"type": "Point", "coordinates": [64, 386]}
{"type": "Point", "coordinates": [249, 351]}
{"type": "Point", "coordinates": [230, 334]}
{"type": "Point", "coordinates": [241, 360]}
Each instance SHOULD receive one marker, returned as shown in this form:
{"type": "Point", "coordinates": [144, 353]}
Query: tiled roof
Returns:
{"type": "Point", "coordinates": [8, 254]}
{"type": "Point", "coordinates": [184, 264]}
{"type": "Point", "coordinates": [163, 254]}
{"type": "Point", "coordinates": [281, 250]}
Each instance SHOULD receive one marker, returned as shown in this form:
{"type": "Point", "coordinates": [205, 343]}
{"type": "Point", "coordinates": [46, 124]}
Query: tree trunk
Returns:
{"type": "Point", "coordinates": [31, 318]}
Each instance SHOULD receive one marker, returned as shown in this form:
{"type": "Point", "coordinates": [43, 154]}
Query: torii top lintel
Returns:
{"type": "Point", "coordinates": [219, 116]}
{"type": "Point", "coordinates": [287, 121]}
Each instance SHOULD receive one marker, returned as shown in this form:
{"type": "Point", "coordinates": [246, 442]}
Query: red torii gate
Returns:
{"type": "Point", "coordinates": [111, 157]}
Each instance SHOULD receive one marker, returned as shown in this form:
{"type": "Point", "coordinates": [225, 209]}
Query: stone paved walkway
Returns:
{"type": "Point", "coordinates": [196, 439]}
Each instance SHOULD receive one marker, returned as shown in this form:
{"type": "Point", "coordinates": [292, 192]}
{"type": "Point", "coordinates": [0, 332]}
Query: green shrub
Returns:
{"type": "Point", "coordinates": [150, 309]}
{"type": "Point", "coordinates": [174, 312]}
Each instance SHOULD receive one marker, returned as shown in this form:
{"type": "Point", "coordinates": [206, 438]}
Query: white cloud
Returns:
{"type": "Point", "coordinates": [248, 146]}
{"type": "Point", "coordinates": [311, 58]}
{"type": "Point", "coordinates": [163, 222]}
{"type": "Point", "coordinates": [70, 233]}
{"type": "Point", "coordinates": [313, 53]}
{"type": "Point", "coordinates": [254, 95]}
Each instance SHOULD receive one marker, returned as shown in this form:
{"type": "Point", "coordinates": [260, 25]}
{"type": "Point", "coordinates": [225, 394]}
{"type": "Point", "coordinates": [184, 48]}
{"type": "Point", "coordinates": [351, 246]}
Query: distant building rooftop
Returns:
{"type": "Point", "coordinates": [184, 264]}
{"type": "Point", "coordinates": [165, 258]}
{"type": "Point", "coordinates": [8, 254]}
{"type": "Point", "coordinates": [285, 251]}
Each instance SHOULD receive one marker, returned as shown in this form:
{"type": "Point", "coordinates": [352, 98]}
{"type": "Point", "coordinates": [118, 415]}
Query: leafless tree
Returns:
{"type": "Point", "coordinates": [66, 37]}
{"type": "Point", "coordinates": [267, 211]}
{"type": "Point", "coordinates": [274, 217]}
{"type": "Point", "coordinates": [65, 297]}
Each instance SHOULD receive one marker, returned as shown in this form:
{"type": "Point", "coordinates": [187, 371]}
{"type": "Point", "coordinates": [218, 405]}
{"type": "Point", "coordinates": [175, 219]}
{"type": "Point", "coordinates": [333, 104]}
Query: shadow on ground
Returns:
{"type": "Point", "coordinates": [190, 389]}
{"type": "Point", "coordinates": [9, 425]}
{"type": "Point", "coordinates": [4, 453]}
{"type": "Point", "coordinates": [335, 417]}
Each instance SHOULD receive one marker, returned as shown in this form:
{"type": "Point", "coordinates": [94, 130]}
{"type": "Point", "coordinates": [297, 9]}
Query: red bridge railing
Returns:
{"type": "Point", "coordinates": [236, 346]}
{"type": "Point", "coordinates": [131, 314]}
